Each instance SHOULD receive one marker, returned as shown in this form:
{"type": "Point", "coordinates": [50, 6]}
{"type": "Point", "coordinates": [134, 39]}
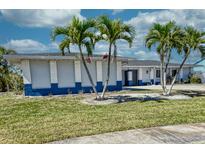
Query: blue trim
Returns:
{"type": "Point", "coordinates": [140, 83]}
{"type": "Point", "coordinates": [27, 89]}
{"type": "Point", "coordinates": [157, 83]}
{"type": "Point", "coordinates": [130, 83]}
{"type": "Point", "coordinates": [87, 89]}
{"type": "Point", "coordinates": [55, 90]}
{"type": "Point", "coordinates": [99, 86]}
{"type": "Point", "coordinates": [119, 85]}
{"type": "Point", "coordinates": [152, 81]}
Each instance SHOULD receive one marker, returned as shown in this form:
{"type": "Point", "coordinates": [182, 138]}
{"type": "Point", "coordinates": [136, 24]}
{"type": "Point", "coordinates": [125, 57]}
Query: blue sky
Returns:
{"type": "Point", "coordinates": [28, 31]}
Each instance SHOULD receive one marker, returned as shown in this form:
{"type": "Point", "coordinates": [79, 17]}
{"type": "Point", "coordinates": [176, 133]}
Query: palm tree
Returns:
{"type": "Point", "coordinates": [164, 37]}
{"type": "Point", "coordinates": [111, 31]}
{"type": "Point", "coordinates": [82, 34]}
{"type": "Point", "coordinates": [193, 40]}
{"type": "Point", "coordinates": [5, 69]}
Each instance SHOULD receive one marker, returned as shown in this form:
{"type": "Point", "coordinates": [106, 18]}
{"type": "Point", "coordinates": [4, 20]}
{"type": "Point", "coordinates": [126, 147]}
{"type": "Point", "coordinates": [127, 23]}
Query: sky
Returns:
{"type": "Point", "coordinates": [28, 31]}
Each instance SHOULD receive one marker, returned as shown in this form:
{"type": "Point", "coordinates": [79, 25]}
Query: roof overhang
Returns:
{"type": "Point", "coordinates": [151, 66]}
{"type": "Point", "coordinates": [18, 58]}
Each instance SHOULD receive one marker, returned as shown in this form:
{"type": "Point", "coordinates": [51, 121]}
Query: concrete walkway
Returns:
{"type": "Point", "coordinates": [194, 87]}
{"type": "Point", "coordinates": [178, 134]}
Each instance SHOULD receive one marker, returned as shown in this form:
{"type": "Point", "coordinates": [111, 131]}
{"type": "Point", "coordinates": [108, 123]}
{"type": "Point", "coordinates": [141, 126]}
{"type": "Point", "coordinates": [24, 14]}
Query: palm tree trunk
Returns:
{"type": "Point", "coordinates": [108, 72]}
{"type": "Point", "coordinates": [88, 72]}
{"type": "Point", "coordinates": [166, 67]}
{"type": "Point", "coordinates": [162, 74]}
{"type": "Point", "coordinates": [177, 73]}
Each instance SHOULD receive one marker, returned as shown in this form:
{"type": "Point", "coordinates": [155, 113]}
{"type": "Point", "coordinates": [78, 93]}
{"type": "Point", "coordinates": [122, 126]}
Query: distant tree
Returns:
{"type": "Point", "coordinates": [10, 78]}
{"type": "Point", "coordinates": [81, 33]}
{"type": "Point", "coordinates": [112, 31]}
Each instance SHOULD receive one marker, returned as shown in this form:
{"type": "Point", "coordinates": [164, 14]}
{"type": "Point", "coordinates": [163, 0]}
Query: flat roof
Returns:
{"type": "Point", "coordinates": [54, 56]}
{"type": "Point", "coordinates": [152, 63]}
{"type": "Point", "coordinates": [127, 61]}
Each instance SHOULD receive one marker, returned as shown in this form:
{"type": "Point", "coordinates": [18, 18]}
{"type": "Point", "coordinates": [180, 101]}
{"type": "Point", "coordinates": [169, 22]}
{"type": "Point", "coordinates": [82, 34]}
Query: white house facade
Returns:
{"type": "Point", "coordinates": [55, 75]}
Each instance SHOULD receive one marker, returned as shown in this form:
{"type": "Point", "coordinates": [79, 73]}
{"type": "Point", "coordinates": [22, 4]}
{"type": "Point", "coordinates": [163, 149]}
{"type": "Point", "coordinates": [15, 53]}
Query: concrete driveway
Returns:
{"type": "Point", "coordinates": [194, 87]}
{"type": "Point", "coordinates": [178, 134]}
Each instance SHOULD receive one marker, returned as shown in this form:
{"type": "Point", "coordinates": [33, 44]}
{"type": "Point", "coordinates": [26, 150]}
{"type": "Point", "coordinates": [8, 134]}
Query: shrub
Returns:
{"type": "Point", "coordinates": [195, 79]}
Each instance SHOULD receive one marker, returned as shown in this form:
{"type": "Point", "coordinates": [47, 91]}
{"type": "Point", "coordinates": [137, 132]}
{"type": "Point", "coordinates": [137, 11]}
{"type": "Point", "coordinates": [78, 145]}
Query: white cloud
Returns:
{"type": "Point", "coordinates": [116, 11]}
{"type": "Point", "coordinates": [29, 46]}
{"type": "Point", "coordinates": [40, 18]}
{"type": "Point", "coordinates": [143, 21]}
{"type": "Point", "coordinates": [146, 55]}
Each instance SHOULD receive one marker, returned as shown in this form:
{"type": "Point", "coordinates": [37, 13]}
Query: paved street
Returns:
{"type": "Point", "coordinates": [179, 134]}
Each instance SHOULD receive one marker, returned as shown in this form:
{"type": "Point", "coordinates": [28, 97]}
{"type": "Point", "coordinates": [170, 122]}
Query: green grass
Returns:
{"type": "Point", "coordinates": [41, 120]}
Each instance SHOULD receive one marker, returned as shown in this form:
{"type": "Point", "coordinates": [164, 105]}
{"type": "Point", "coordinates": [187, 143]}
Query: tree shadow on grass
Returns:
{"type": "Point", "coordinates": [136, 89]}
{"type": "Point", "coordinates": [124, 99]}
{"type": "Point", "coordinates": [191, 93]}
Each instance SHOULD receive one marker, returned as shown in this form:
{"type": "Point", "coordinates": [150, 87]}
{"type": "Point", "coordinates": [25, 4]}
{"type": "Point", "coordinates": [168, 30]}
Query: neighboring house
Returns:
{"type": "Point", "coordinates": [53, 74]}
{"type": "Point", "coordinates": [143, 72]}
{"type": "Point", "coordinates": [200, 71]}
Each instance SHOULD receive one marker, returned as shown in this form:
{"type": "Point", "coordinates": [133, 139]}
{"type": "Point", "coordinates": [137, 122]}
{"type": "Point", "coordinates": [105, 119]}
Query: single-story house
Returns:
{"type": "Point", "coordinates": [54, 74]}
{"type": "Point", "coordinates": [143, 72]}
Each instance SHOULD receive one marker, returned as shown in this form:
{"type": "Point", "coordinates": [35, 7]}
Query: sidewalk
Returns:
{"type": "Point", "coordinates": [178, 134]}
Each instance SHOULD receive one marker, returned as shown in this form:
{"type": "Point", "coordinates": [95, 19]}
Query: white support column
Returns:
{"type": "Point", "coordinates": [77, 71]}
{"type": "Point", "coordinates": [140, 77]}
{"type": "Point", "coordinates": [25, 66]}
{"type": "Point", "coordinates": [53, 71]}
{"type": "Point", "coordinates": [140, 74]}
{"type": "Point", "coordinates": [152, 76]}
{"type": "Point", "coordinates": [181, 74]}
{"type": "Point", "coordinates": [99, 71]}
{"type": "Point", "coordinates": [119, 71]}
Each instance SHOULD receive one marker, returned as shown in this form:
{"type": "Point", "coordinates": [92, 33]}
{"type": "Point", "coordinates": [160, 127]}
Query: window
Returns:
{"type": "Point", "coordinates": [157, 73]}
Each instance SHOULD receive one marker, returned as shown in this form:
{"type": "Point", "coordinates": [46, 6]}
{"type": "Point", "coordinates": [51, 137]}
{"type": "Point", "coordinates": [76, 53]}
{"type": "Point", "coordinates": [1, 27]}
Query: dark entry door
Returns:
{"type": "Point", "coordinates": [135, 77]}
{"type": "Point", "coordinates": [126, 78]}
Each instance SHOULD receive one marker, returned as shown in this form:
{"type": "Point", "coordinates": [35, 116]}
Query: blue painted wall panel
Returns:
{"type": "Point", "coordinates": [55, 90]}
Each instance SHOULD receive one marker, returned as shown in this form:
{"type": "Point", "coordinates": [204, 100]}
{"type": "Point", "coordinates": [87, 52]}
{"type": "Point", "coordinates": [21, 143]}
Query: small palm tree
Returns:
{"type": "Point", "coordinates": [82, 34]}
{"type": "Point", "coordinates": [112, 31]}
{"type": "Point", "coordinates": [193, 40]}
{"type": "Point", "coordinates": [164, 38]}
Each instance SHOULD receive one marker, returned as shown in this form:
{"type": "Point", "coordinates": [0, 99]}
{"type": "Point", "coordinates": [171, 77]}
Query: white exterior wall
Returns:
{"type": "Point", "coordinates": [113, 73]}
{"type": "Point", "coordinates": [146, 74]}
{"type": "Point", "coordinates": [99, 70]}
{"type": "Point", "coordinates": [93, 72]}
{"type": "Point", "coordinates": [77, 69]}
{"type": "Point", "coordinates": [53, 72]}
{"type": "Point", "coordinates": [40, 74]}
{"type": "Point", "coordinates": [25, 66]}
{"type": "Point", "coordinates": [65, 69]}
{"type": "Point", "coordinates": [140, 73]}
{"type": "Point", "coordinates": [119, 71]}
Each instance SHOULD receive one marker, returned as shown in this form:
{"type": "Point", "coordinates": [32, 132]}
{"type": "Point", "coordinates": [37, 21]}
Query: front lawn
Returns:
{"type": "Point", "coordinates": [41, 120]}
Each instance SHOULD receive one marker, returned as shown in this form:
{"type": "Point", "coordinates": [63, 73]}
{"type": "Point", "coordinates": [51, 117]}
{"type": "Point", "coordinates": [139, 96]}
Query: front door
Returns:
{"type": "Point", "coordinates": [126, 78]}
{"type": "Point", "coordinates": [135, 77]}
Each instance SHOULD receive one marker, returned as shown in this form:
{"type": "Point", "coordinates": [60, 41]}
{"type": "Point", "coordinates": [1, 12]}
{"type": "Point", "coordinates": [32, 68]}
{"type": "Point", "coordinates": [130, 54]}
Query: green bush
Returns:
{"type": "Point", "coordinates": [195, 79]}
